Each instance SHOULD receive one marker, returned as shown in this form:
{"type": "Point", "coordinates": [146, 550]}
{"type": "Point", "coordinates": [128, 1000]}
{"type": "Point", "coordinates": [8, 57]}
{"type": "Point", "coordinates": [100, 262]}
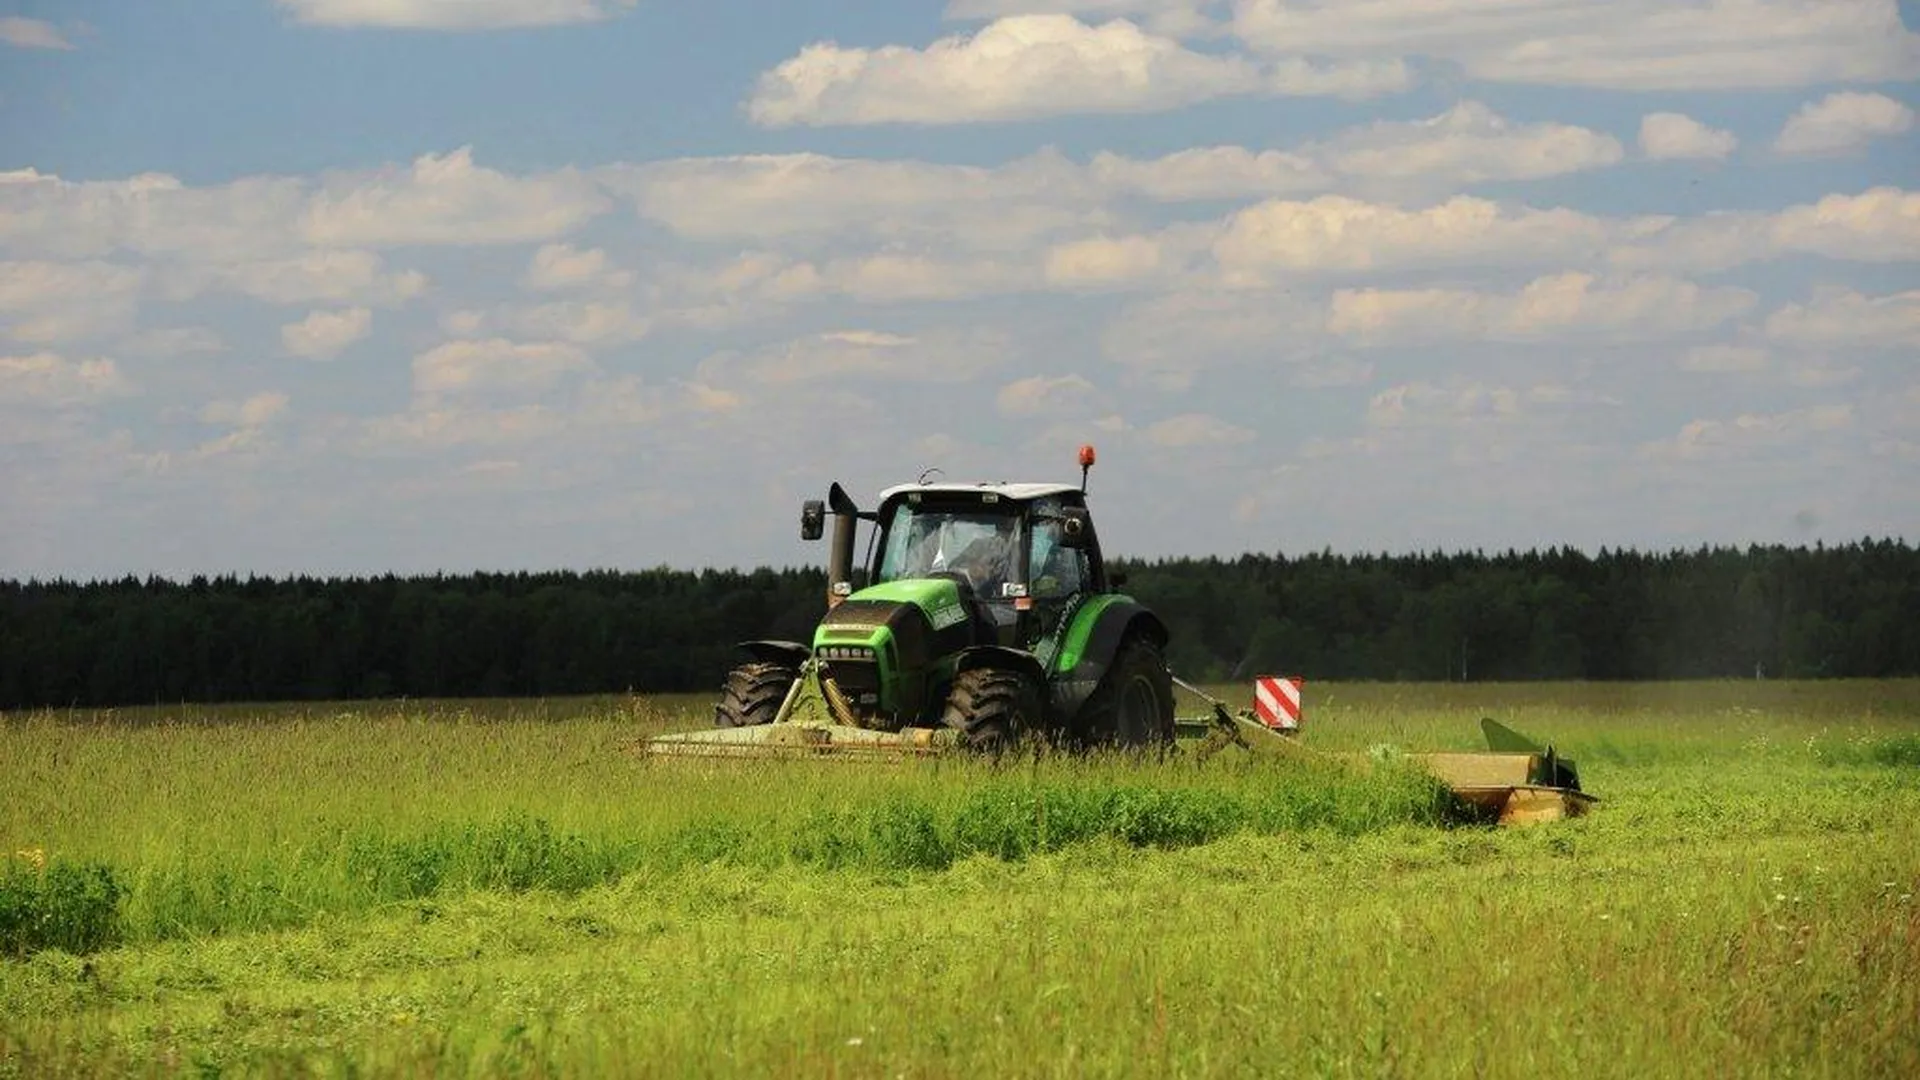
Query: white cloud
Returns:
{"type": "Point", "coordinates": [1103, 262]}
{"type": "Point", "coordinates": [1841, 123]}
{"type": "Point", "coordinates": [1045, 396]}
{"type": "Point", "coordinates": [836, 356]}
{"type": "Point", "coordinates": [451, 14]}
{"type": "Point", "coordinates": [1467, 144]}
{"type": "Point", "coordinates": [1750, 434]}
{"type": "Point", "coordinates": [47, 380]}
{"type": "Point", "coordinates": [46, 302]}
{"type": "Point", "coordinates": [447, 199]}
{"type": "Point", "coordinates": [256, 411]}
{"type": "Point", "coordinates": [1619, 44]}
{"type": "Point", "coordinates": [777, 196]}
{"type": "Point", "coordinates": [563, 267]}
{"type": "Point", "coordinates": [1725, 359]}
{"type": "Point", "coordinates": [1667, 136]}
{"type": "Point", "coordinates": [1336, 234]}
{"type": "Point", "coordinates": [1881, 224]}
{"type": "Point", "coordinates": [1167, 340]}
{"type": "Point", "coordinates": [23, 33]}
{"type": "Point", "coordinates": [1558, 306]}
{"type": "Point", "coordinates": [174, 341]}
{"type": "Point", "coordinates": [494, 365]}
{"type": "Point", "coordinates": [1195, 429]}
{"type": "Point", "coordinates": [1210, 172]}
{"type": "Point", "coordinates": [1027, 66]}
{"type": "Point", "coordinates": [323, 334]}
{"type": "Point", "coordinates": [1844, 319]}
{"type": "Point", "coordinates": [588, 323]}
{"type": "Point", "coordinates": [340, 277]}
{"type": "Point", "coordinates": [1177, 18]}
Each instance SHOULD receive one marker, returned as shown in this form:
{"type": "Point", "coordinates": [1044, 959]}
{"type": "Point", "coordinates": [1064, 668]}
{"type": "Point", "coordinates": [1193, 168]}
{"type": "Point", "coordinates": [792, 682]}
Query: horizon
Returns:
{"type": "Point", "coordinates": [335, 288]}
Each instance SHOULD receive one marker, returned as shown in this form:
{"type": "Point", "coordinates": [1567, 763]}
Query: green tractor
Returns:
{"type": "Point", "coordinates": [983, 616]}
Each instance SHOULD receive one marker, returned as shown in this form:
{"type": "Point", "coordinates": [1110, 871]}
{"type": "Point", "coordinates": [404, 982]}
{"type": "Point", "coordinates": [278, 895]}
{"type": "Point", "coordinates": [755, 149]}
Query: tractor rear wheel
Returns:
{"type": "Point", "coordinates": [1133, 707]}
{"type": "Point", "coordinates": [753, 694]}
{"type": "Point", "coordinates": [991, 708]}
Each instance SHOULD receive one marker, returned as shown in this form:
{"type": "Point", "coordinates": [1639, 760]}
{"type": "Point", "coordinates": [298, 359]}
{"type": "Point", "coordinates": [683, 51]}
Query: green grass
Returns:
{"type": "Point", "coordinates": [497, 888]}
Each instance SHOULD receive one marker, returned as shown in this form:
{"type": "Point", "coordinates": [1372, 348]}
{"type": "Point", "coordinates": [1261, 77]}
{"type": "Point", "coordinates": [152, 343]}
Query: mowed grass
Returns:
{"type": "Point", "coordinates": [507, 888]}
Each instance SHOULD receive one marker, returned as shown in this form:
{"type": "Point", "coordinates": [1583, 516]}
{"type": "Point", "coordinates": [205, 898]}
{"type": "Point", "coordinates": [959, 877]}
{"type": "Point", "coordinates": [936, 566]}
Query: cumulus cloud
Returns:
{"type": "Point", "coordinates": [1880, 224]}
{"type": "Point", "coordinates": [1667, 136]}
{"type": "Point", "coordinates": [1043, 395]}
{"type": "Point", "coordinates": [494, 365]}
{"type": "Point", "coordinates": [47, 302]}
{"type": "Point", "coordinates": [24, 33]}
{"type": "Point", "coordinates": [447, 199]}
{"type": "Point", "coordinates": [1845, 319]}
{"type": "Point", "coordinates": [1841, 123]}
{"type": "Point", "coordinates": [253, 412]}
{"type": "Point", "coordinates": [340, 277]}
{"type": "Point", "coordinates": [1557, 306]}
{"type": "Point", "coordinates": [1724, 359]}
{"type": "Point", "coordinates": [1621, 44]}
{"type": "Point", "coordinates": [1750, 434]}
{"type": "Point", "coordinates": [1467, 144]}
{"type": "Point", "coordinates": [772, 196]}
{"type": "Point", "coordinates": [1026, 66]}
{"type": "Point", "coordinates": [1177, 18]}
{"type": "Point", "coordinates": [563, 267]}
{"type": "Point", "coordinates": [861, 353]}
{"type": "Point", "coordinates": [1336, 234]}
{"type": "Point", "coordinates": [323, 334]}
{"type": "Point", "coordinates": [1195, 429]}
{"type": "Point", "coordinates": [451, 14]}
{"type": "Point", "coordinates": [51, 381]}
{"type": "Point", "coordinates": [1102, 262]}
{"type": "Point", "coordinates": [437, 199]}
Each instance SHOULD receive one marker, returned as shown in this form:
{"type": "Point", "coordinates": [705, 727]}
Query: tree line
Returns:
{"type": "Point", "coordinates": [1785, 612]}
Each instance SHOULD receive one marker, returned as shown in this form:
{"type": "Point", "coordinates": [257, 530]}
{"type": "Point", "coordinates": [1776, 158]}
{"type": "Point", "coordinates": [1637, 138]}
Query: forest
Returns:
{"type": "Point", "coordinates": [1713, 612]}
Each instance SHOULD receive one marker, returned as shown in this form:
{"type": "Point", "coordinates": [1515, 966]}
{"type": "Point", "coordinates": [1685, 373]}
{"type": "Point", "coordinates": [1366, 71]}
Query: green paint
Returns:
{"type": "Point", "coordinates": [1073, 645]}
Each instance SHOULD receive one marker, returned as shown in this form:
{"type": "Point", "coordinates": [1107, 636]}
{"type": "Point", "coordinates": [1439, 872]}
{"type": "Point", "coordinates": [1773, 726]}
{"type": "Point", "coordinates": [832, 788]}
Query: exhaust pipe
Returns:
{"type": "Point", "coordinates": [846, 517]}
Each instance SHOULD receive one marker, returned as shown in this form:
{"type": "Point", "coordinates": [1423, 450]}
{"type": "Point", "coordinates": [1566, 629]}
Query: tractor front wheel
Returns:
{"type": "Point", "coordinates": [753, 694]}
{"type": "Point", "coordinates": [1133, 708]}
{"type": "Point", "coordinates": [991, 708]}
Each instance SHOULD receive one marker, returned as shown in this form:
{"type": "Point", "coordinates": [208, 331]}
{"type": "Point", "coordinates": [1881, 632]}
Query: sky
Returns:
{"type": "Point", "coordinates": [366, 286]}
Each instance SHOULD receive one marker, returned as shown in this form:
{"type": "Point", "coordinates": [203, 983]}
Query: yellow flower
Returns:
{"type": "Point", "coordinates": [35, 856]}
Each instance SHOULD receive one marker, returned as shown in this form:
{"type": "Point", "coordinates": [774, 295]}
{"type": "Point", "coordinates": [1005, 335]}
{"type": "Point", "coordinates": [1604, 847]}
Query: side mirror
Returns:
{"type": "Point", "coordinates": [1076, 528]}
{"type": "Point", "coordinates": [813, 519]}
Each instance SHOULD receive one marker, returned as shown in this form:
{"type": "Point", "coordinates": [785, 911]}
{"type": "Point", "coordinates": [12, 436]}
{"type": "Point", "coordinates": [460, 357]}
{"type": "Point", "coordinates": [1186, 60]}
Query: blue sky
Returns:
{"type": "Point", "coordinates": [353, 286]}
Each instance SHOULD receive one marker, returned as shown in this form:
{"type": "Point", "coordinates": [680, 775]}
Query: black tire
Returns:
{"type": "Point", "coordinates": [753, 694]}
{"type": "Point", "coordinates": [992, 709]}
{"type": "Point", "coordinates": [1133, 707]}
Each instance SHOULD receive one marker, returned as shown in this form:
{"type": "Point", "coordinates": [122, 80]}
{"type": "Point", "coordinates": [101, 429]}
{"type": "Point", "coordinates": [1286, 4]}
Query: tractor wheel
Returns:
{"type": "Point", "coordinates": [1133, 707]}
{"type": "Point", "coordinates": [991, 708]}
{"type": "Point", "coordinates": [753, 694]}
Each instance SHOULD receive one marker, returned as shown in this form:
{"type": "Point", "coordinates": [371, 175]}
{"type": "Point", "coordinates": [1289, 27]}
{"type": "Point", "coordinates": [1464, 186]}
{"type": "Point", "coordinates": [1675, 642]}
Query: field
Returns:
{"type": "Point", "coordinates": [506, 888]}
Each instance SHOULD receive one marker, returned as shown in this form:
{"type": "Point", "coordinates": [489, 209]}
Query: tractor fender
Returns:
{"type": "Point", "coordinates": [1000, 656]}
{"type": "Point", "coordinates": [1094, 646]}
{"type": "Point", "coordinates": [777, 652]}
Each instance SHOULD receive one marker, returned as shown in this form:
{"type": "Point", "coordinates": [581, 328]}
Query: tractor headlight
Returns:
{"type": "Point", "coordinates": [846, 652]}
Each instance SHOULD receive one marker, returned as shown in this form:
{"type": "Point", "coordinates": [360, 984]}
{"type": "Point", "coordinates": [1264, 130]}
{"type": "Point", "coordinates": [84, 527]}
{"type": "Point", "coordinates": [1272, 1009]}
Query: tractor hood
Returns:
{"type": "Point", "coordinates": [912, 613]}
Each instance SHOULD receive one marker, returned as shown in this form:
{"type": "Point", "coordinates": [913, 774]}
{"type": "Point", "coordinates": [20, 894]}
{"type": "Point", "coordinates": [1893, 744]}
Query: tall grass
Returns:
{"type": "Point", "coordinates": [507, 888]}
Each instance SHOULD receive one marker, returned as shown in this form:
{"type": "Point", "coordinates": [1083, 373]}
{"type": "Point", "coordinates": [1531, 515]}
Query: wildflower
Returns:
{"type": "Point", "coordinates": [855, 1041]}
{"type": "Point", "coordinates": [34, 857]}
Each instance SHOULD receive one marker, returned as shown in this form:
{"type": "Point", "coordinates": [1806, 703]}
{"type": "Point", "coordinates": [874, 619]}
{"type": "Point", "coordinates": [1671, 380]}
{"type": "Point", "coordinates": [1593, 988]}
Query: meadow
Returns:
{"type": "Point", "coordinates": [509, 888]}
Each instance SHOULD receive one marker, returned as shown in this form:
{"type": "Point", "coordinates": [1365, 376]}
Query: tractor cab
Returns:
{"type": "Point", "coordinates": [1020, 553]}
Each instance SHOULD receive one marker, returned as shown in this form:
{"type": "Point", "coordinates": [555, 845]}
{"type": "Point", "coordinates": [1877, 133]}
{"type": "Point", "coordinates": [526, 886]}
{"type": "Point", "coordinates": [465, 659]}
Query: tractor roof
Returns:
{"type": "Point", "coordinates": [1014, 492]}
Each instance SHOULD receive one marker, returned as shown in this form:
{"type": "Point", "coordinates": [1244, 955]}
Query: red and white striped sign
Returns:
{"type": "Point", "coordinates": [1276, 701]}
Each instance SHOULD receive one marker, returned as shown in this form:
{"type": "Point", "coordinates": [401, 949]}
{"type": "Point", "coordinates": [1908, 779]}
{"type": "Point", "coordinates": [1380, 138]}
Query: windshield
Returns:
{"type": "Point", "coordinates": [979, 544]}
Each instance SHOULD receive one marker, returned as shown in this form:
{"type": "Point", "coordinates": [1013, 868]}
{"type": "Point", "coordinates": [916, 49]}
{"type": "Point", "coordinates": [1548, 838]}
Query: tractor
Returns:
{"type": "Point", "coordinates": [982, 609]}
